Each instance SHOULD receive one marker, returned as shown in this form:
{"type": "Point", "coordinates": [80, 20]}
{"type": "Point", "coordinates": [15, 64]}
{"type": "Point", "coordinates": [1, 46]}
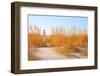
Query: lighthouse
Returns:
{"type": "Point", "coordinates": [44, 32]}
{"type": "Point", "coordinates": [44, 38]}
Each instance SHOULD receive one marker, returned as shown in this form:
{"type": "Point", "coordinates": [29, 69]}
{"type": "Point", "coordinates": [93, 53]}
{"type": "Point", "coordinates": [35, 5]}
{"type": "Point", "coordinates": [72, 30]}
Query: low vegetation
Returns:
{"type": "Point", "coordinates": [66, 42]}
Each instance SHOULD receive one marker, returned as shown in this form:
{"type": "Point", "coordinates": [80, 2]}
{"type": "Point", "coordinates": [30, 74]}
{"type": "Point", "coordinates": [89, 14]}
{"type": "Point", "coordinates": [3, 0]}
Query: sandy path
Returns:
{"type": "Point", "coordinates": [48, 53]}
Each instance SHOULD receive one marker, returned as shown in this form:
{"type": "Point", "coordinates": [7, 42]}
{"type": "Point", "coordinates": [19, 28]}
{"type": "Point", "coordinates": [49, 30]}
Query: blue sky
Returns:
{"type": "Point", "coordinates": [47, 22]}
